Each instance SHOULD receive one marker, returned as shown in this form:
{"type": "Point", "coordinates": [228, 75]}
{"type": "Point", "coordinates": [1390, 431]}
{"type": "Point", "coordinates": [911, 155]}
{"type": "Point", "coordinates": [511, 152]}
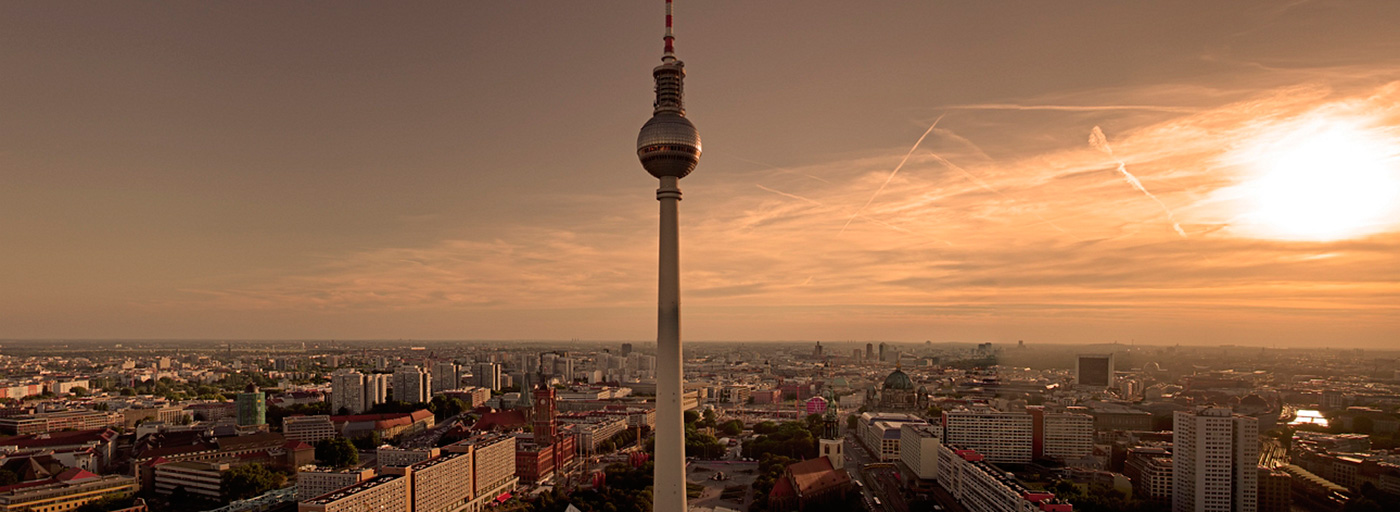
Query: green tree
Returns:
{"type": "Point", "coordinates": [249, 480]}
{"type": "Point", "coordinates": [766, 427]}
{"type": "Point", "coordinates": [732, 427]}
{"type": "Point", "coordinates": [338, 452]}
{"type": "Point", "coordinates": [368, 442]}
{"type": "Point", "coordinates": [79, 391]}
{"type": "Point", "coordinates": [691, 417]}
{"type": "Point", "coordinates": [852, 421]}
{"type": "Point", "coordinates": [444, 407]}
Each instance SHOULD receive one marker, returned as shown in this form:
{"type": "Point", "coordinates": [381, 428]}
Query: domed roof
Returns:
{"type": "Point", "coordinates": [898, 380]}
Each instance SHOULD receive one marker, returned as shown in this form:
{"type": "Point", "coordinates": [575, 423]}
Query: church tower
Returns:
{"type": "Point", "coordinates": [830, 445]}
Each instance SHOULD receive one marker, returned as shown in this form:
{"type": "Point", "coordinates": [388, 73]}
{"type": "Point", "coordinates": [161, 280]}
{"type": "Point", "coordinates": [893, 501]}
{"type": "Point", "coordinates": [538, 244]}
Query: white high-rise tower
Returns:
{"type": "Point", "coordinates": [1215, 459]}
{"type": "Point", "coordinates": [669, 148]}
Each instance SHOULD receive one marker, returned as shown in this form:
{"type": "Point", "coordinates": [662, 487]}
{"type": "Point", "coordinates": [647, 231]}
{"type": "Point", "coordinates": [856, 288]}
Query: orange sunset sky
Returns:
{"type": "Point", "coordinates": [1197, 173]}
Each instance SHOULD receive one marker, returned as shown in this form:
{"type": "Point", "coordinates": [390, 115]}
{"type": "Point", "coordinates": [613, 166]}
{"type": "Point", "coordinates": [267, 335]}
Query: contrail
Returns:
{"type": "Point", "coordinates": [1100, 142]}
{"type": "Point", "coordinates": [892, 173]}
{"type": "Point", "coordinates": [989, 188]}
{"type": "Point", "coordinates": [819, 203]}
{"type": "Point", "coordinates": [1072, 108]}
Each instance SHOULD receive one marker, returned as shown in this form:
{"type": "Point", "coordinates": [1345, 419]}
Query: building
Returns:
{"type": "Point", "coordinates": [999, 437]}
{"type": "Point", "coordinates": [810, 482]}
{"type": "Point", "coordinates": [385, 425]}
{"type": "Point", "coordinates": [918, 449]}
{"type": "Point", "coordinates": [869, 352]}
{"type": "Point", "coordinates": [446, 375]}
{"type": "Point", "coordinates": [1065, 436]}
{"type": "Point", "coordinates": [1275, 490]}
{"type": "Point", "coordinates": [1094, 370]}
{"type": "Point", "coordinates": [626, 349]}
{"type": "Point", "coordinates": [308, 429]}
{"type": "Point", "coordinates": [897, 393]}
{"type": "Point", "coordinates": [493, 466]}
{"type": "Point", "coordinates": [1215, 457]}
{"type": "Point", "coordinates": [390, 456]}
{"type": "Point", "coordinates": [472, 396]}
{"type": "Point", "coordinates": [198, 478]}
{"type": "Point", "coordinates": [1109, 416]}
{"type": "Point", "coordinates": [252, 407]}
{"type": "Point", "coordinates": [437, 483]}
{"type": "Point", "coordinates": [54, 421]}
{"type": "Point", "coordinates": [880, 432]}
{"type": "Point", "coordinates": [383, 493]}
{"type": "Point", "coordinates": [313, 482]}
{"type": "Point", "coordinates": [487, 375]}
{"type": "Point", "coordinates": [737, 395]}
{"type": "Point", "coordinates": [67, 490]}
{"type": "Point", "coordinates": [412, 384]}
{"type": "Point", "coordinates": [353, 392]}
{"type": "Point", "coordinates": [1150, 469]}
{"type": "Point", "coordinates": [981, 487]}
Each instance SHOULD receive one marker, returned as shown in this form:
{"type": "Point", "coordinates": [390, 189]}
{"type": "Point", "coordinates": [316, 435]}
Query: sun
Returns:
{"type": "Point", "coordinates": [1322, 180]}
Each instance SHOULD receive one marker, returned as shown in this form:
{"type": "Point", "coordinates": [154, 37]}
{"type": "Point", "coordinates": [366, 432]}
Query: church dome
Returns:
{"type": "Point", "coordinates": [898, 380]}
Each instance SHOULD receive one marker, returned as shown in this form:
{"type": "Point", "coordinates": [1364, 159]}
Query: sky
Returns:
{"type": "Point", "coordinates": [1194, 173]}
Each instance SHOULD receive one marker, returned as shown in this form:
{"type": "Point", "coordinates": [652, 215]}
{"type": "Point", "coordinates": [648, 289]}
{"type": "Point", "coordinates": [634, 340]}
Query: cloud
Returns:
{"type": "Point", "coordinates": [977, 235]}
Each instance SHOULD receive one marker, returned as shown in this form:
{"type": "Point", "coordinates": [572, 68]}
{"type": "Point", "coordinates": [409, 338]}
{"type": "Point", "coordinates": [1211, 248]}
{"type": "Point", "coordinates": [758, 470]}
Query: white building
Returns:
{"type": "Point", "coordinates": [202, 479]}
{"type": "Point", "coordinates": [918, 449]}
{"type": "Point", "coordinates": [981, 487]}
{"type": "Point", "coordinates": [1000, 437]}
{"type": "Point", "coordinates": [1215, 458]}
{"type": "Point", "coordinates": [317, 481]}
{"type": "Point", "coordinates": [880, 434]}
{"type": "Point", "coordinates": [357, 392]}
{"type": "Point", "coordinates": [390, 456]}
{"type": "Point", "coordinates": [1068, 436]}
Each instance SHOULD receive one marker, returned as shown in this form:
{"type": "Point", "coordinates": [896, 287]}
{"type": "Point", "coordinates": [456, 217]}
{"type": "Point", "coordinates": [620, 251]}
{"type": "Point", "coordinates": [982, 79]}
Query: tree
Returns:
{"type": "Point", "coordinates": [691, 417]}
{"type": "Point", "coordinates": [852, 422]}
{"type": "Point", "coordinates": [79, 391]}
{"type": "Point", "coordinates": [338, 452]}
{"type": "Point", "coordinates": [732, 427]}
{"type": "Point", "coordinates": [709, 418]}
{"type": "Point", "coordinates": [444, 407]}
{"type": "Point", "coordinates": [8, 477]}
{"type": "Point", "coordinates": [766, 427]}
{"type": "Point", "coordinates": [368, 442]}
{"type": "Point", "coordinates": [249, 480]}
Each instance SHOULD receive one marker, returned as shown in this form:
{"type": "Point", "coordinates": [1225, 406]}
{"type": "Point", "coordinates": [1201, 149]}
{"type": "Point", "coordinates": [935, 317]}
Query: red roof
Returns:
{"type": "Point", "coordinates": [74, 474]}
{"type": "Point", "coordinates": [296, 446]}
{"type": "Point", "coordinates": [815, 475]}
{"type": "Point", "coordinates": [781, 489]}
{"type": "Point", "coordinates": [504, 420]}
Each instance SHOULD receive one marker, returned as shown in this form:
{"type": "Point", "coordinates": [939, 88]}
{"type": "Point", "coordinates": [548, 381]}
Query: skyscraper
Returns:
{"type": "Point", "coordinates": [487, 375]}
{"type": "Point", "coordinates": [355, 392]}
{"type": "Point", "coordinates": [446, 375]}
{"type": "Point", "coordinates": [1215, 460]}
{"type": "Point", "coordinates": [883, 354]}
{"type": "Point", "coordinates": [1094, 370]}
{"type": "Point", "coordinates": [412, 384]}
{"type": "Point", "coordinates": [669, 148]}
{"type": "Point", "coordinates": [869, 352]}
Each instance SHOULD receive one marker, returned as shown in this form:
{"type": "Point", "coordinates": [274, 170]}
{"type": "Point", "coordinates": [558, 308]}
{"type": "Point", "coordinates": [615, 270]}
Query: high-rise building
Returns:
{"type": "Point", "coordinates": [883, 353]}
{"type": "Point", "coordinates": [251, 407]}
{"type": "Point", "coordinates": [487, 375]}
{"type": "Point", "coordinates": [817, 351]}
{"type": "Point", "coordinates": [412, 384]}
{"type": "Point", "coordinates": [918, 449]}
{"type": "Point", "coordinates": [1063, 436]}
{"type": "Point", "coordinates": [1094, 370]}
{"type": "Point", "coordinates": [869, 351]}
{"type": "Point", "coordinates": [1215, 460]}
{"type": "Point", "coordinates": [355, 392]}
{"type": "Point", "coordinates": [446, 375]}
{"type": "Point", "coordinates": [1001, 437]}
{"type": "Point", "coordinates": [1150, 469]}
{"type": "Point", "coordinates": [308, 429]}
{"type": "Point", "coordinates": [626, 349]}
{"type": "Point", "coordinates": [1275, 490]}
{"type": "Point", "coordinates": [669, 148]}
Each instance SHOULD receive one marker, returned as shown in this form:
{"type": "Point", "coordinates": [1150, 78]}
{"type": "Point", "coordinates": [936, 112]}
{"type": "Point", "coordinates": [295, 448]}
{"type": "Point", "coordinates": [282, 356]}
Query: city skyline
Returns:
{"type": "Point", "coordinates": [1085, 173]}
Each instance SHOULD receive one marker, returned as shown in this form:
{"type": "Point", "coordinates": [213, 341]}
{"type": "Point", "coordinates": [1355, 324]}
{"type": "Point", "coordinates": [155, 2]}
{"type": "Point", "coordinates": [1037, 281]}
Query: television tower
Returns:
{"type": "Point", "coordinates": [669, 148]}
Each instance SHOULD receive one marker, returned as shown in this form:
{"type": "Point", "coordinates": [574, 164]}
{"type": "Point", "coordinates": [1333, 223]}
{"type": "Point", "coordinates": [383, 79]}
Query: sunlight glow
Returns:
{"type": "Point", "coordinates": [1322, 181]}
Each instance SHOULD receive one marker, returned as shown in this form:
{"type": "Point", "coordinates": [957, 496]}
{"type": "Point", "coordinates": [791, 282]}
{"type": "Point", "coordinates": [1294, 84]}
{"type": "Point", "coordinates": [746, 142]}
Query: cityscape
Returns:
{"type": "Point", "coordinates": [938, 256]}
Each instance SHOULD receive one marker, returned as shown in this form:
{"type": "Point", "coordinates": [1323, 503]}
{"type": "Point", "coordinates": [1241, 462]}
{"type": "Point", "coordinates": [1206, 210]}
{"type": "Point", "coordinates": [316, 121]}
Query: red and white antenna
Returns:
{"type": "Point", "coordinates": [670, 38]}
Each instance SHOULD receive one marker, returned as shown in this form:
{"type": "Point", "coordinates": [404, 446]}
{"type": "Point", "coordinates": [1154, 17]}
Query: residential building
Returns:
{"type": "Point", "coordinates": [202, 479]}
{"type": "Point", "coordinates": [314, 482]}
{"type": "Point", "coordinates": [67, 490]}
{"type": "Point", "coordinates": [1150, 469]}
{"type": "Point", "coordinates": [981, 487]}
{"type": "Point", "coordinates": [918, 449]}
{"type": "Point", "coordinates": [487, 375]}
{"type": "Point", "coordinates": [412, 384]}
{"type": "Point", "coordinates": [308, 429]}
{"type": "Point", "coordinates": [446, 375]}
{"type": "Point", "coordinates": [390, 456]}
{"type": "Point", "coordinates": [383, 493]}
{"type": "Point", "coordinates": [1000, 437]}
{"type": "Point", "coordinates": [1215, 457]}
{"type": "Point", "coordinates": [354, 392]}
{"type": "Point", "coordinates": [1275, 490]}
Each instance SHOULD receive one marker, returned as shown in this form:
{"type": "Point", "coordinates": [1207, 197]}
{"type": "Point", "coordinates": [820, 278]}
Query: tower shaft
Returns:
{"type": "Point", "coordinates": [669, 475]}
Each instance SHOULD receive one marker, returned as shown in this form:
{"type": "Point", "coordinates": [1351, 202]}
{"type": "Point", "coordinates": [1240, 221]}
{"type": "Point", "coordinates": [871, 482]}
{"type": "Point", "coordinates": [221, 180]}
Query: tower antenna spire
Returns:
{"type": "Point", "coordinates": [670, 38]}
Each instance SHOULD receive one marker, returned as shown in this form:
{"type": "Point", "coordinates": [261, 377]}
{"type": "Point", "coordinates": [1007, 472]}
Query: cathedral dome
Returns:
{"type": "Point", "coordinates": [898, 380]}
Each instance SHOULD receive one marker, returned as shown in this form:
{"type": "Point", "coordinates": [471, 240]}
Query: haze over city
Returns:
{"type": "Point", "coordinates": [1167, 174]}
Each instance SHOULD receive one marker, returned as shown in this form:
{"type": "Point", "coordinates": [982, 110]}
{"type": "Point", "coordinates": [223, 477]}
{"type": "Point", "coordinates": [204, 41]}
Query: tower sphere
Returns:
{"type": "Point", "coordinates": [668, 145]}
